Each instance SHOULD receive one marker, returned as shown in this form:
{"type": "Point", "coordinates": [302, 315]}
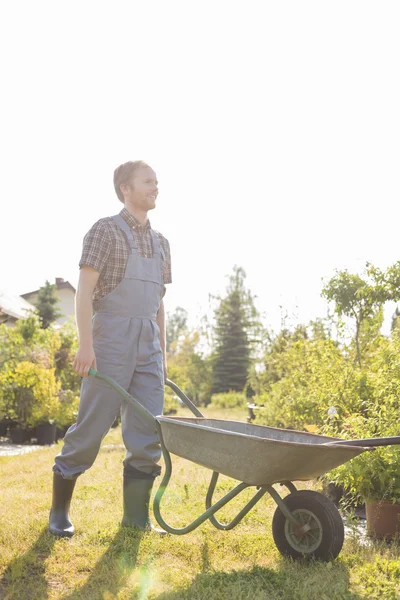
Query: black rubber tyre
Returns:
{"type": "Point", "coordinates": [323, 541]}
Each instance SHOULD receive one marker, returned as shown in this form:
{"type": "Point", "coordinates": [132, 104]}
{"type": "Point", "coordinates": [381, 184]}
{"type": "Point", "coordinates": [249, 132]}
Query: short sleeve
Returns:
{"type": "Point", "coordinates": [167, 267]}
{"type": "Point", "coordinates": [96, 247]}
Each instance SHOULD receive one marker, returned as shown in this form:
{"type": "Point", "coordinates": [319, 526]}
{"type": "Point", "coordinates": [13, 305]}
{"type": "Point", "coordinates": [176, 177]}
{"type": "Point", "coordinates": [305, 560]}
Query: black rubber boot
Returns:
{"type": "Point", "coordinates": [136, 504]}
{"type": "Point", "coordinates": [59, 523]}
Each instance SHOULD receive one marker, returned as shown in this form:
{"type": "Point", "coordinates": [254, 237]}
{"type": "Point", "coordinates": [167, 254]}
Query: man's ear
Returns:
{"type": "Point", "coordinates": [124, 187]}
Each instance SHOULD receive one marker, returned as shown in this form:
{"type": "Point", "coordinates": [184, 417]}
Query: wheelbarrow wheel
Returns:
{"type": "Point", "coordinates": [323, 536]}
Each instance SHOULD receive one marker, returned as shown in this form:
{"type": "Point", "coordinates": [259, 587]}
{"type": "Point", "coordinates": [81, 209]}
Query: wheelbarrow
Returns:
{"type": "Point", "coordinates": [305, 523]}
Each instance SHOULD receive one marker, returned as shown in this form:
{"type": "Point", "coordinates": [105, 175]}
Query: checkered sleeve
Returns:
{"type": "Point", "coordinates": [167, 268]}
{"type": "Point", "coordinates": [97, 246]}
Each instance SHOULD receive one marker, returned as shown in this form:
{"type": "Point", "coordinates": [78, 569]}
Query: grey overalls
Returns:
{"type": "Point", "coordinates": [127, 348]}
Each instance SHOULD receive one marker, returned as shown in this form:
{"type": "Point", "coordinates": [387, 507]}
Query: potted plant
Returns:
{"type": "Point", "coordinates": [373, 477]}
{"type": "Point", "coordinates": [17, 403]}
{"type": "Point", "coordinates": [30, 391]}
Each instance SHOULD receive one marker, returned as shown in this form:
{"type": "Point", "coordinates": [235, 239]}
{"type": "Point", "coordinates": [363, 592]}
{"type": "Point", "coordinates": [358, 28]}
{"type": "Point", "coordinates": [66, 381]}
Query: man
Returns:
{"type": "Point", "coordinates": [124, 267]}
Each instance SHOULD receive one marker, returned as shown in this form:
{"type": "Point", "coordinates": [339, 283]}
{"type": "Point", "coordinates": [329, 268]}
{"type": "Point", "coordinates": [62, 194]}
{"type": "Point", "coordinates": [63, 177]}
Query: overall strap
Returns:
{"type": "Point", "coordinates": [127, 230]}
{"type": "Point", "coordinates": [157, 248]}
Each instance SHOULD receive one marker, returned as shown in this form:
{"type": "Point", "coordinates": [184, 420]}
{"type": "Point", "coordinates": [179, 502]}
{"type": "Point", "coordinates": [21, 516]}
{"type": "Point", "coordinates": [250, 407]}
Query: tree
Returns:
{"type": "Point", "coordinates": [176, 325]}
{"type": "Point", "coordinates": [190, 369]}
{"type": "Point", "coordinates": [358, 298]}
{"type": "Point", "coordinates": [236, 326]}
{"type": "Point", "coordinates": [395, 319]}
{"type": "Point", "coordinates": [46, 305]}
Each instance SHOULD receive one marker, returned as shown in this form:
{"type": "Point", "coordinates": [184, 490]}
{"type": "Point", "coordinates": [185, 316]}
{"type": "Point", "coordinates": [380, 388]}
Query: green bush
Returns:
{"type": "Point", "coordinates": [171, 403]}
{"type": "Point", "coordinates": [30, 394]}
{"type": "Point", "coordinates": [309, 377]}
{"type": "Point", "coordinates": [373, 475]}
{"type": "Point", "coordinates": [228, 400]}
{"type": "Point", "coordinates": [68, 406]}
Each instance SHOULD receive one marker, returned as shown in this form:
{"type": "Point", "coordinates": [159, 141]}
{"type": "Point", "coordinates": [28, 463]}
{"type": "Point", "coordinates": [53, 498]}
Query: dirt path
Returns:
{"type": "Point", "coordinates": [8, 449]}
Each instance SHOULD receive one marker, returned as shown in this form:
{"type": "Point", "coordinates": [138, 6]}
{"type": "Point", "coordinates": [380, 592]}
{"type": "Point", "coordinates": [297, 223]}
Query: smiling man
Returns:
{"type": "Point", "coordinates": [124, 267]}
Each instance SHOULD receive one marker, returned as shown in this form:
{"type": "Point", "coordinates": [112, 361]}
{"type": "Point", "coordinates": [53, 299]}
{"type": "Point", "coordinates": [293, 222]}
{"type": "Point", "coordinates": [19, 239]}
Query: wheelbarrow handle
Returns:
{"type": "Point", "coordinates": [184, 398]}
{"type": "Point", "coordinates": [136, 404]}
{"type": "Point", "coordinates": [373, 442]}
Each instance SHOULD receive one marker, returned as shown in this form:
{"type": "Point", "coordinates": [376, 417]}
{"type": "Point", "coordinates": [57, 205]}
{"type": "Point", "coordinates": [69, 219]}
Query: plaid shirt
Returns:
{"type": "Point", "coordinates": [106, 249]}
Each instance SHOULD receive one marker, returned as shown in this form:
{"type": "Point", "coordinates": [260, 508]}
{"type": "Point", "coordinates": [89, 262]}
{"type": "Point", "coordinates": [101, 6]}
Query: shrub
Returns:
{"type": "Point", "coordinates": [68, 406]}
{"type": "Point", "coordinates": [171, 403]}
{"type": "Point", "coordinates": [228, 400]}
{"type": "Point", "coordinates": [373, 475]}
{"type": "Point", "coordinates": [30, 394]}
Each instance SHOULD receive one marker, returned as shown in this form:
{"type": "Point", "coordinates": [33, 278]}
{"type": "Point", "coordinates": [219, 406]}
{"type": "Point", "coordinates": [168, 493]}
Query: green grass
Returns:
{"type": "Point", "coordinates": [105, 562]}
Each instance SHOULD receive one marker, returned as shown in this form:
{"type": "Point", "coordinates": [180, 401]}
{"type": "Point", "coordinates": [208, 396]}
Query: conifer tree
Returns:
{"type": "Point", "coordinates": [235, 324]}
{"type": "Point", "coordinates": [46, 305]}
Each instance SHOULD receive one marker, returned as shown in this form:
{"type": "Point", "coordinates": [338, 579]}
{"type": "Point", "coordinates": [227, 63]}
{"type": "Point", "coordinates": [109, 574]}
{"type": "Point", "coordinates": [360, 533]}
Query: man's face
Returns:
{"type": "Point", "coordinates": [143, 189]}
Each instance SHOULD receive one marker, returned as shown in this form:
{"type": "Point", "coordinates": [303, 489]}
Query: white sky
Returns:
{"type": "Point", "coordinates": [274, 129]}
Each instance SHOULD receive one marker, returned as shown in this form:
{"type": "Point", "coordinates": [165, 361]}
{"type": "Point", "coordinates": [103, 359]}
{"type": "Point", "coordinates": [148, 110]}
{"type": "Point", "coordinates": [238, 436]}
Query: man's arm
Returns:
{"type": "Point", "coordinates": [161, 324]}
{"type": "Point", "coordinates": [85, 357]}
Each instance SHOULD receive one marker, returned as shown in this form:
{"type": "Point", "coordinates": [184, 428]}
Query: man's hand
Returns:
{"type": "Point", "coordinates": [84, 359]}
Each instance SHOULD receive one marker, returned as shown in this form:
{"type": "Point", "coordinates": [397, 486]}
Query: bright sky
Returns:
{"type": "Point", "coordinates": [273, 127]}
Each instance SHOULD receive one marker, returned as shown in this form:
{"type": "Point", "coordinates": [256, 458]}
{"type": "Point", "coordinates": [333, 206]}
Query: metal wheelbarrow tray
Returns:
{"type": "Point", "coordinates": [305, 523]}
{"type": "Point", "coordinates": [254, 454]}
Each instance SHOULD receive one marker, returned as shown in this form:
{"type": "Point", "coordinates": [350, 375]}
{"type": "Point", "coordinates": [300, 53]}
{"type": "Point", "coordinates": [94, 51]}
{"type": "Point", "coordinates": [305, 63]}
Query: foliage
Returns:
{"type": "Point", "coordinates": [171, 403]}
{"type": "Point", "coordinates": [46, 304]}
{"type": "Point", "coordinates": [30, 394]}
{"type": "Point", "coordinates": [236, 324]}
{"type": "Point", "coordinates": [67, 408]}
{"type": "Point", "coordinates": [34, 362]}
{"type": "Point", "coordinates": [190, 370]}
{"type": "Point", "coordinates": [28, 341]}
{"type": "Point", "coordinates": [362, 298]}
{"type": "Point", "coordinates": [176, 326]}
{"type": "Point", "coordinates": [373, 475]}
{"type": "Point", "coordinates": [228, 400]}
{"type": "Point", "coordinates": [303, 377]}
{"type": "Point", "coordinates": [63, 359]}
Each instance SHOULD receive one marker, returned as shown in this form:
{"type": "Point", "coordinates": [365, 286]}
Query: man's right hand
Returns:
{"type": "Point", "coordinates": [84, 359]}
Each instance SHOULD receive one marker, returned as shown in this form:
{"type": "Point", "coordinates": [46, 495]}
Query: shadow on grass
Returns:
{"type": "Point", "coordinates": [294, 580]}
{"type": "Point", "coordinates": [24, 578]}
{"type": "Point", "coordinates": [113, 570]}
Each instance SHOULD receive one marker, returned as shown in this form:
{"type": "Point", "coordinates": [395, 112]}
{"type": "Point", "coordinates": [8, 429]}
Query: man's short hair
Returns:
{"type": "Point", "coordinates": [123, 174]}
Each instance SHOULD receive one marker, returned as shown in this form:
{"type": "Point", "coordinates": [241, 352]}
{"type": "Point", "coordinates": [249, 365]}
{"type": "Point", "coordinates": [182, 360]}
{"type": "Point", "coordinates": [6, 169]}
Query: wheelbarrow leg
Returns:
{"type": "Point", "coordinates": [226, 527]}
{"type": "Point", "coordinates": [202, 518]}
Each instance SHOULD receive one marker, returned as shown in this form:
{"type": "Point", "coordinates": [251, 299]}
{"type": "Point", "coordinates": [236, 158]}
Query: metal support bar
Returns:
{"type": "Point", "coordinates": [206, 515]}
{"type": "Point", "coordinates": [240, 515]}
{"type": "Point", "coordinates": [274, 494]}
{"type": "Point", "coordinates": [290, 486]}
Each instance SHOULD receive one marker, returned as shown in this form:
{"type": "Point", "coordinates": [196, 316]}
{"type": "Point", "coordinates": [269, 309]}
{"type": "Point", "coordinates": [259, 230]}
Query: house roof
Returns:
{"type": "Point", "coordinates": [14, 306]}
{"type": "Point", "coordinates": [60, 285]}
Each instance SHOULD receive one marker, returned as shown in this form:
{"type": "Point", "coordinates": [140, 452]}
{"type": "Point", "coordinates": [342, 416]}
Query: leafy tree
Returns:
{"type": "Point", "coordinates": [356, 297]}
{"type": "Point", "coordinates": [395, 319]}
{"type": "Point", "coordinates": [176, 325]}
{"type": "Point", "coordinates": [236, 328]}
{"type": "Point", "coordinates": [46, 305]}
{"type": "Point", "coordinates": [190, 369]}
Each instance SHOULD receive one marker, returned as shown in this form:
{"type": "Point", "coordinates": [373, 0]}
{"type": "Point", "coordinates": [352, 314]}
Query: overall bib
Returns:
{"type": "Point", "coordinates": [127, 348]}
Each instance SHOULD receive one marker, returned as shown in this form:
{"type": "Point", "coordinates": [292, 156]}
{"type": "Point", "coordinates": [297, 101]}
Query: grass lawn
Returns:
{"type": "Point", "coordinates": [105, 562]}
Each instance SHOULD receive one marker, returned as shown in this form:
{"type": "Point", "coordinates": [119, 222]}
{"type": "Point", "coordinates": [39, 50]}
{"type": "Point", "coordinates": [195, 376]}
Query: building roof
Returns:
{"type": "Point", "coordinates": [14, 306]}
{"type": "Point", "coordinates": [60, 285]}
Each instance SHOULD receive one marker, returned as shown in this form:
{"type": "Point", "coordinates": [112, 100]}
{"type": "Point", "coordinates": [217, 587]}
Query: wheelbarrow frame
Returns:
{"type": "Point", "coordinates": [211, 508]}
{"type": "Point", "coordinates": [301, 528]}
